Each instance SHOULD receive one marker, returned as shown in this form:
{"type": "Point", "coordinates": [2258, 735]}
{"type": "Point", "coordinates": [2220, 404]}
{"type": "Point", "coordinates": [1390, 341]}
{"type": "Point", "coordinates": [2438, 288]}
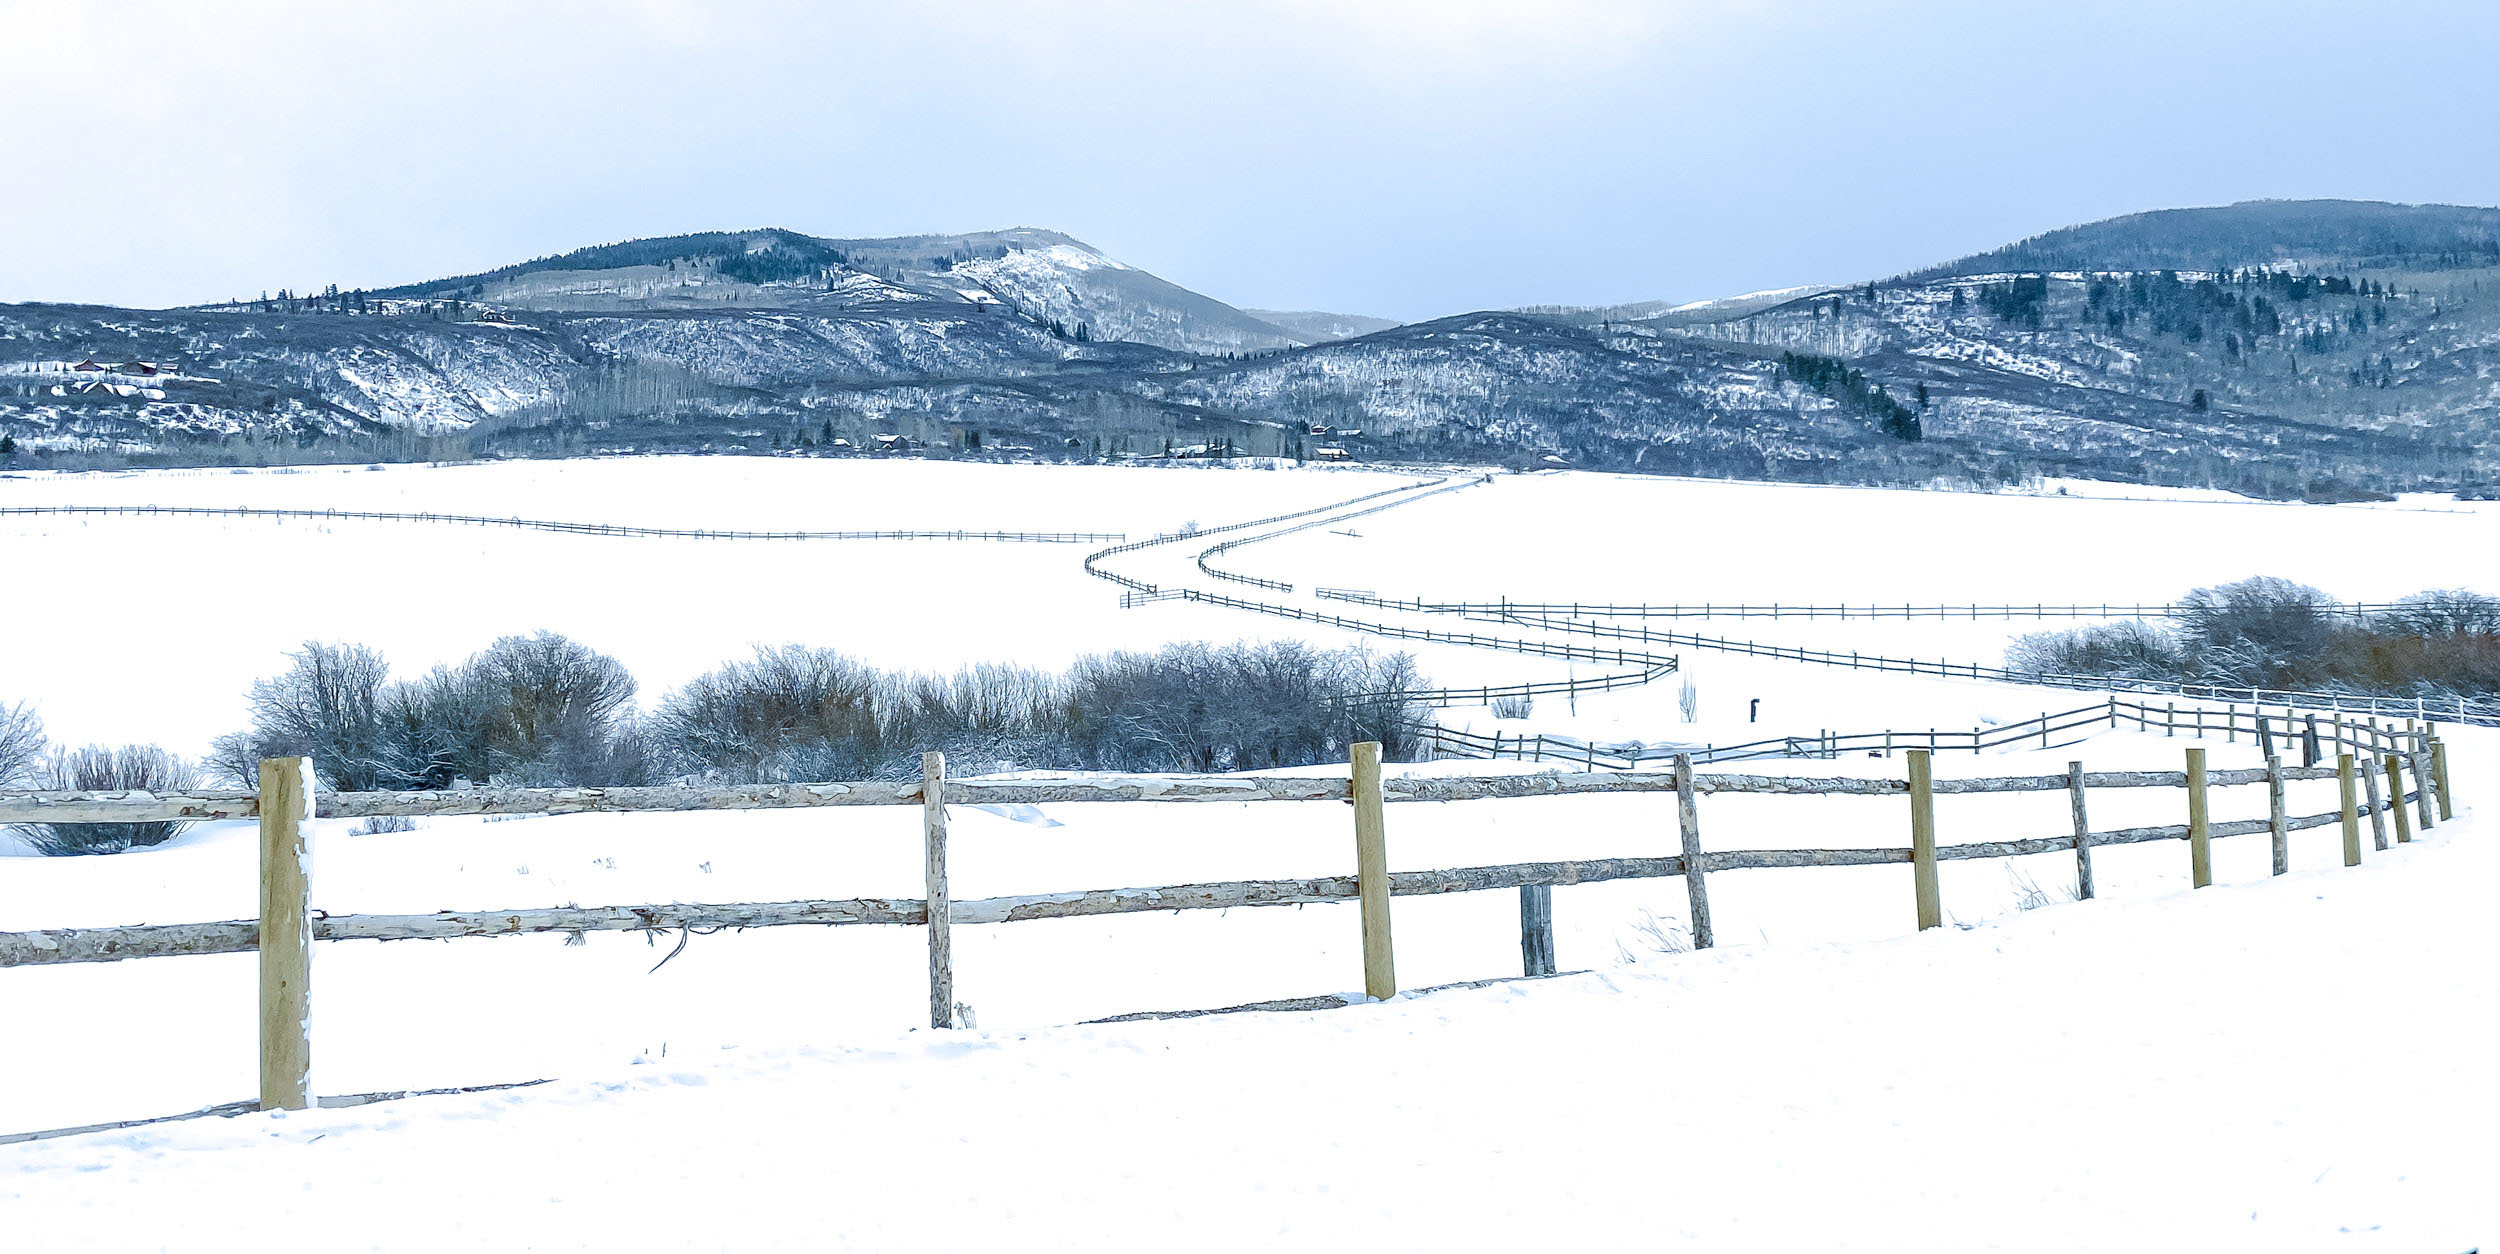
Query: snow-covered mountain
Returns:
{"type": "Point", "coordinates": [2316, 347]}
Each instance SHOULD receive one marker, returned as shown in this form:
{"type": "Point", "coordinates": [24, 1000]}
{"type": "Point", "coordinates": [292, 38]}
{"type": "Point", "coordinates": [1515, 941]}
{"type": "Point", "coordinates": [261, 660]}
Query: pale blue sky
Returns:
{"type": "Point", "coordinates": [1399, 158]}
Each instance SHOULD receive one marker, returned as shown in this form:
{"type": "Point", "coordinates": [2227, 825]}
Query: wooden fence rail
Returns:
{"type": "Point", "coordinates": [2034, 733]}
{"type": "Point", "coordinates": [1134, 584]}
{"type": "Point", "coordinates": [2457, 709]}
{"type": "Point", "coordinates": [568, 528]}
{"type": "Point", "coordinates": [288, 925]}
{"type": "Point", "coordinates": [1973, 611]}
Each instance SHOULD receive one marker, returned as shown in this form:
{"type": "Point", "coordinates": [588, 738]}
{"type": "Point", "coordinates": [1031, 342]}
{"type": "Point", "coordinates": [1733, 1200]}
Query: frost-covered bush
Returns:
{"type": "Point", "coordinates": [537, 709]}
{"type": "Point", "coordinates": [98, 768]}
{"type": "Point", "coordinates": [2130, 650]}
{"type": "Point", "coordinates": [21, 743]}
{"type": "Point", "coordinates": [2275, 633]}
{"type": "Point", "coordinates": [800, 713]}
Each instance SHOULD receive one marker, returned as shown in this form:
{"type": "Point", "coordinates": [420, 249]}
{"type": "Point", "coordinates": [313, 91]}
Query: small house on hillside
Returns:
{"type": "Point", "coordinates": [89, 366]}
{"type": "Point", "coordinates": [1331, 453]}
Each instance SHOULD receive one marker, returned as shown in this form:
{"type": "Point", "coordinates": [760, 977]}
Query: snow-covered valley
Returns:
{"type": "Point", "coordinates": [1820, 1047]}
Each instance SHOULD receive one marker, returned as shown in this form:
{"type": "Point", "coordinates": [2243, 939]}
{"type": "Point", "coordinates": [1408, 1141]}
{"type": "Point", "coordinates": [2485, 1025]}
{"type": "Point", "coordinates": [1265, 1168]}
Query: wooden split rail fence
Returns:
{"type": "Point", "coordinates": [2481, 712]}
{"type": "Point", "coordinates": [1777, 611]}
{"type": "Point", "coordinates": [2263, 727]}
{"type": "Point", "coordinates": [573, 528]}
{"type": "Point", "coordinates": [286, 804]}
{"type": "Point", "coordinates": [1134, 584]}
{"type": "Point", "coordinates": [1277, 585]}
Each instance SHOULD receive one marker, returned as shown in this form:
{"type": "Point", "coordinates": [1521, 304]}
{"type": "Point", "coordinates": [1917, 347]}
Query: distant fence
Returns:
{"type": "Point", "coordinates": [1274, 585]}
{"type": "Point", "coordinates": [2314, 739]}
{"type": "Point", "coordinates": [1653, 666]}
{"type": "Point", "coordinates": [569, 528]}
{"type": "Point", "coordinates": [1134, 584]}
{"type": "Point", "coordinates": [287, 925]}
{"type": "Point", "coordinates": [2478, 711]}
{"type": "Point", "coordinates": [1776, 611]}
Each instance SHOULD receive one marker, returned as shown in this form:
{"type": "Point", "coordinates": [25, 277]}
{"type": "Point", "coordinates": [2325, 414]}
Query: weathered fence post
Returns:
{"type": "Point", "coordinates": [941, 913]}
{"type": "Point", "coordinates": [2378, 815]}
{"type": "Point", "coordinates": [1371, 869]}
{"type": "Point", "coordinates": [2439, 769]}
{"type": "Point", "coordinates": [2309, 750]}
{"type": "Point", "coordinates": [2083, 832]}
{"type": "Point", "coordinates": [2265, 736]}
{"type": "Point", "coordinates": [1688, 825]}
{"type": "Point", "coordinates": [1923, 841]}
{"type": "Point", "coordinates": [1536, 929]}
{"type": "Point", "coordinates": [2396, 798]}
{"type": "Point", "coordinates": [2352, 816]}
{"type": "Point", "coordinates": [2275, 822]}
{"type": "Point", "coordinates": [2419, 760]}
{"type": "Point", "coordinates": [286, 808]}
{"type": "Point", "coordinates": [2200, 834]}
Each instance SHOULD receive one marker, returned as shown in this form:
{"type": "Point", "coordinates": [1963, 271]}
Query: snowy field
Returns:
{"type": "Point", "coordinates": [2277, 1065]}
{"type": "Point", "coordinates": [2134, 1047]}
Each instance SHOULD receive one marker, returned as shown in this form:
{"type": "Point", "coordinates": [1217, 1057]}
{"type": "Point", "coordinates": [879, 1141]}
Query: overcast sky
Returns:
{"type": "Point", "coordinates": [1406, 159]}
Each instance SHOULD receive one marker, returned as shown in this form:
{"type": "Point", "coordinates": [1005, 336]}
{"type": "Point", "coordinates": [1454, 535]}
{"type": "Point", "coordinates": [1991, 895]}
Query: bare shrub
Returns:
{"type": "Point", "coordinates": [2444, 612]}
{"type": "Point", "coordinates": [21, 742]}
{"type": "Point", "coordinates": [788, 713]}
{"type": "Point", "coordinates": [381, 824]}
{"type": "Point", "coordinates": [2126, 650]}
{"type": "Point", "coordinates": [1513, 707]}
{"type": "Point", "coordinates": [97, 768]}
{"type": "Point", "coordinates": [537, 709]}
{"type": "Point", "coordinates": [1688, 700]}
{"type": "Point", "coordinates": [2028, 895]}
{"type": "Point", "coordinates": [1654, 935]}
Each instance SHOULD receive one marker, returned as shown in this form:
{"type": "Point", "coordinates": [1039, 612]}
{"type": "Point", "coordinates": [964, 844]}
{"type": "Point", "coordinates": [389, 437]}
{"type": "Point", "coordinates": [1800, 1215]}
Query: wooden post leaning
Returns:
{"type": "Point", "coordinates": [2083, 832]}
{"type": "Point", "coordinates": [286, 809]}
{"type": "Point", "coordinates": [2275, 822]}
{"type": "Point", "coordinates": [2200, 831]}
{"type": "Point", "coordinates": [1923, 841]}
{"type": "Point", "coordinates": [2378, 812]}
{"type": "Point", "coordinates": [1371, 868]}
{"type": "Point", "coordinates": [2396, 798]}
{"type": "Point", "coordinates": [2352, 814]}
{"type": "Point", "coordinates": [2420, 761]}
{"type": "Point", "coordinates": [941, 911]}
{"type": "Point", "coordinates": [2439, 769]}
{"type": "Point", "coordinates": [1688, 825]}
{"type": "Point", "coordinates": [1536, 929]}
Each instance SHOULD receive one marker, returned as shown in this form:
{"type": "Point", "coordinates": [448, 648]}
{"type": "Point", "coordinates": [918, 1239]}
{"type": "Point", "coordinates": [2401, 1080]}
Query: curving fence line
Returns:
{"type": "Point", "coordinates": [1653, 666]}
{"type": "Point", "coordinates": [1135, 584]}
{"type": "Point", "coordinates": [1776, 610]}
{"type": "Point", "coordinates": [2477, 711]}
{"type": "Point", "coordinates": [1274, 585]}
{"type": "Point", "coordinates": [2314, 739]}
{"type": "Point", "coordinates": [567, 528]}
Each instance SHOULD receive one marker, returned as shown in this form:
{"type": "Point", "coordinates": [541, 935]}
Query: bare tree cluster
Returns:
{"type": "Point", "coordinates": [546, 710]}
{"type": "Point", "coordinates": [2270, 632]}
{"type": "Point", "coordinates": [805, 713]}
{"type": "Point", "coordinates": [537, 709]}
{"type": "Point", "coordinates": [100, 768]}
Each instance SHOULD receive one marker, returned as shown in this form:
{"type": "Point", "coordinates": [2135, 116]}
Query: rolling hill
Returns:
{"type": "Point", "coordinates": [2285, 348]}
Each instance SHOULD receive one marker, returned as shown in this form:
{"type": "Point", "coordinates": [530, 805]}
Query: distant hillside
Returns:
{"type": "Point", "coordinates": [1315, 327]}
{"type": "Point", "coordinates": [2303, 234]}
{"type": "Point", "coordinates": [1052, 278]}
{"type": "Point", "coordinates": [2341, 347]}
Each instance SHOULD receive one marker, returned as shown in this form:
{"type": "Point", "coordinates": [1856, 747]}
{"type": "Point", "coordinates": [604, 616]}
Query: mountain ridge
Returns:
{"type": "Point", "coordinates": [1031, 343]}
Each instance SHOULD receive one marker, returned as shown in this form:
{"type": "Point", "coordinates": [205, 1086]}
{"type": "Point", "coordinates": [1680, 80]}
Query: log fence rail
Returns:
{"type": "Point", "coordinates": [285, 803]}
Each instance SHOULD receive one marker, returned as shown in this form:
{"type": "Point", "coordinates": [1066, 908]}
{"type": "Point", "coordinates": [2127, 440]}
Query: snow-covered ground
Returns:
{"type": "Point", "coordinates": [2263, 1065]}
{"type": "Point", "coordinates": [2278, 1065]}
